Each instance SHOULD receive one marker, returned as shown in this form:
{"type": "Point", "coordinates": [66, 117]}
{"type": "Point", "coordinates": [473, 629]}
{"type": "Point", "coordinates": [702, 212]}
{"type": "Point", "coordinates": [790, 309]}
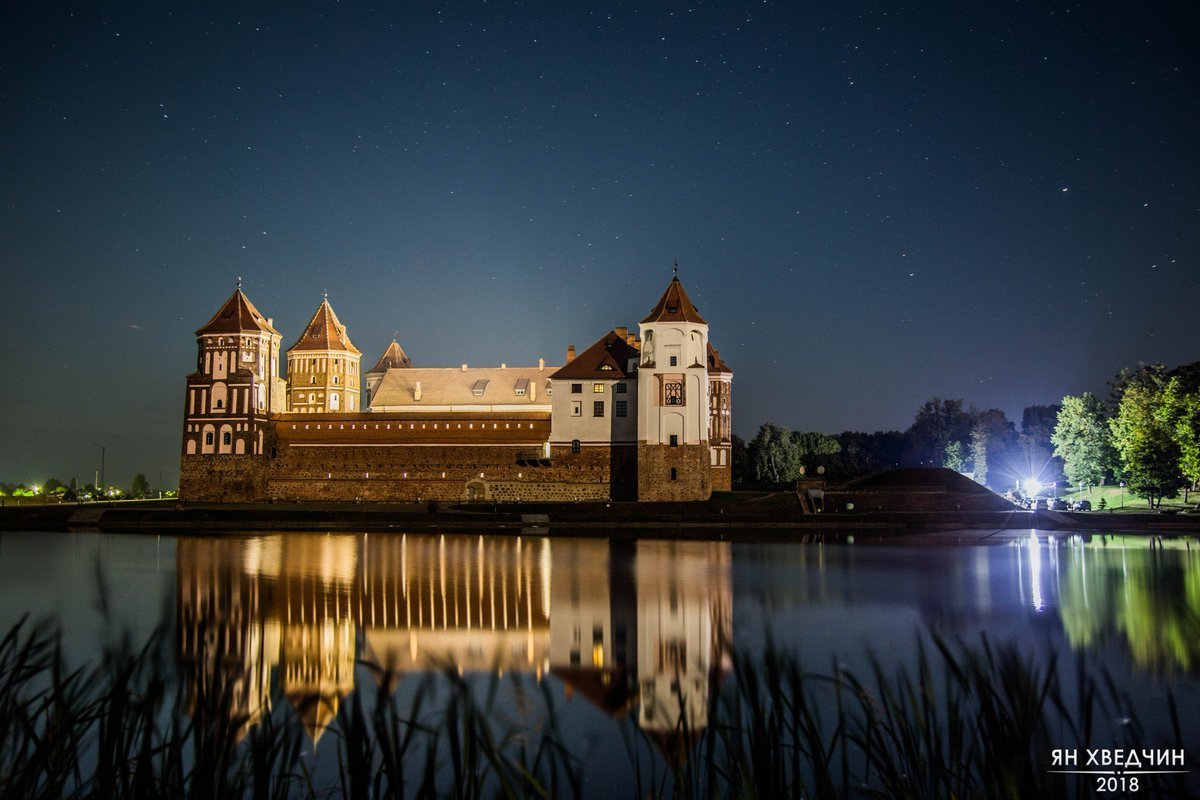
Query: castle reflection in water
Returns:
{"type": "Point", "coordinates": [627, 625]}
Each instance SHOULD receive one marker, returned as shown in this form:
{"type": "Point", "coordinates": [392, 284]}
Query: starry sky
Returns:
{"type": "Point", "coordinates": [870, 203]}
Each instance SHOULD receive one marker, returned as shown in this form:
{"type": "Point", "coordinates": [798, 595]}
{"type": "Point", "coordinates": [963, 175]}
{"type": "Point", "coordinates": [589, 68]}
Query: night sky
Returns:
{"type": "Point", "coordinates": [870, 204]}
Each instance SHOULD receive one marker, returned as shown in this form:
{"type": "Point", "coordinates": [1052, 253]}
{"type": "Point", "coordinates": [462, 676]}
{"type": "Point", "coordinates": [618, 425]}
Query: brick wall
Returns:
{"type": "Point", "coordinates": [345, 472]}
{"type": "Point", "coordinates": [693, 473]}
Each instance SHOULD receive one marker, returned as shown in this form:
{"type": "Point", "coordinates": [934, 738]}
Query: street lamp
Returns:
{"type": "Point", "coordinates": [1122, 494]}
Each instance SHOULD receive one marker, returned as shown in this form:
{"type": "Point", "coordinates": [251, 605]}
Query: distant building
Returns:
{"type": "Point", "coordinates": [643, 417]}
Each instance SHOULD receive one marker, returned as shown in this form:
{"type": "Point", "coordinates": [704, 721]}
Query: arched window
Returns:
{"type": "Point", "coordinates": [226, 438]}
{"type": "Point", "coordinates": [208, 438]}
{"type": "Point", "coordinates": [574, 445]}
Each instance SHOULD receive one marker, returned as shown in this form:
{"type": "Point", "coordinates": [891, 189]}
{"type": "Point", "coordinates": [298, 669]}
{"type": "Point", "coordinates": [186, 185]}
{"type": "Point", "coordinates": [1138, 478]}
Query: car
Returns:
{"type": "Point", "coordinates": [1081, 505]}
{"type": "Point", "coordinates": [1058, 504]}
{"type": "Point", "coordinates": [1038, 504]}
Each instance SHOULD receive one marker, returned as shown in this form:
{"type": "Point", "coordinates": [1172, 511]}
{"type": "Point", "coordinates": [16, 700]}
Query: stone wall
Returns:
{"type": "Point", "coordinates": [337, 471]}
{"type": "Point", "coordinates": [223, 478]}
{"type": "Point", "coordinates": [692, 476]}
{"type": "Point", "coordinates": [914, 500]}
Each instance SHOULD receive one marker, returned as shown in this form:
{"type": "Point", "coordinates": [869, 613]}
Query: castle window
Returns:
{"type": "Point", "coordinates": [208, 438]}
{"type": "Point", "coordinates": [673, 393]}
{"type": "Point", "coordinates": [621, 408]}
{"type": "Point", "coordinates": [335, 379]}
{"type": "Point", "coordinates": [576, 388]}
{"type": "Point", "coordinates": [313, 379]}
{"type": "Point", "coordinates": [674, 361]}
{"type": "Point", "coordinates": [226, 438]}
{"type": "Point", "coordinates": [674, 441]}
{"type": "Point", "coordinates": [597, 388]}
{"type": "Point", "coordinates": [598, 408]}
{"type": "Point", "coordinates": [574, 445]}
{"type": "Point", "coordinates": [576, 408]}
{"type": "Point", "coordinates": [621, 388]}
{"type": "Point", "coordinates": [674, 474]}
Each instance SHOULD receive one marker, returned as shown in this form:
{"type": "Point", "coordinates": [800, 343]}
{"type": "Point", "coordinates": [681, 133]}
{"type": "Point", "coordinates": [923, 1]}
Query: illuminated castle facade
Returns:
{"type": "Point", "coordinates": [641, 416]}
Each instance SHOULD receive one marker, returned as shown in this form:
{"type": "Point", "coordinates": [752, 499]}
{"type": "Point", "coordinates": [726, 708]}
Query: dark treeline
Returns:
{"type": "Point", "coordinates": [1146, 434]}
{"type": "Point", "coordinates": [944, 433]}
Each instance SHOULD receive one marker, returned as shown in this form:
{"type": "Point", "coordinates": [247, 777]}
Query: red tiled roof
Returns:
{"type": "Point", "coordinates": [325, 332]}
{"type": "Point", "coordinates": [674, 306]}
{"type": "Point", "coordinates": [608, 358]}
{"type": "Point", "coordinates": [715, 364]}
{"type": "Point", "coordinates": [393, 358]}
{"type": "Point", "coordinates": [237, 316]}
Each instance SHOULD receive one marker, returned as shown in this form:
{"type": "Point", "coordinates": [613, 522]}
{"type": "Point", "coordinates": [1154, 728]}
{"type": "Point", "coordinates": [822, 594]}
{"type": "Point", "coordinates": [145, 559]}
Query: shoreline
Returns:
{"type": "Point", "coordinates": [613, 520]}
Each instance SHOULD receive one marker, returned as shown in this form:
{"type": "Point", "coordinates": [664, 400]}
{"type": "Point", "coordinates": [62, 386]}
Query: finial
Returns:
{"type": "Point", "coordinates": [395, 335]}
{"type": "Point", "coordinates": [239, 283]}
{"type": "Point", "coordinates": [676, 269]}
{"type": "Point", "coordinates": [325, 294]}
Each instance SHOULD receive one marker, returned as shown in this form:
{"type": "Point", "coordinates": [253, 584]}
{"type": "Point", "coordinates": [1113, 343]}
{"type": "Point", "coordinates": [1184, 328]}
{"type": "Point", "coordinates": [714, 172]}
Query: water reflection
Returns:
{"type": "Point", "coordinates": [640, 625]}
{"type": "Point", "coordinates": [1139, 593]}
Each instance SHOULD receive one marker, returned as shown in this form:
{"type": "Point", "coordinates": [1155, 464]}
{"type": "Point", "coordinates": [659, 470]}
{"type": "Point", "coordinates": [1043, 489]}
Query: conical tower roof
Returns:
{"type": "Point", "coordinates": [325, 332]}
{"type": "Point", "coordinates": [237, 315]}
{"type": "Point", "coordinates": [393, 358]}
{"type": "Point", "coordinates": [674, 306]}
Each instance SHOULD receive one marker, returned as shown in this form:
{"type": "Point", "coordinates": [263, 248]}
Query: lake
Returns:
{"type": "Point", "coordinates": [614, 635]}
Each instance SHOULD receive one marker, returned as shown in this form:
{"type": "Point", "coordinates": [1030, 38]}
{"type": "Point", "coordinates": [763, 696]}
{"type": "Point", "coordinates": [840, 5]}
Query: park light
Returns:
{"type": "Point", "coordinates": [1032, 486]}
{"type": "Point", "coordinates": [37, 489]}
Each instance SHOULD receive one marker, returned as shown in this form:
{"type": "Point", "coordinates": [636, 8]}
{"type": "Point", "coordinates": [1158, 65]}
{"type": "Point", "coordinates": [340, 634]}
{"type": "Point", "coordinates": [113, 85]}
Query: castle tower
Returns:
{"type": "Point", "coordinates": [673, 401]}
{"type": "Point", "coordinates": [236, 384]}
{"type": "Point", "coordinates": [720, 427]}
{"type": "Point", "coordinates": [393, 358]}
{"type": "Point", "coordinates": [323, 367]}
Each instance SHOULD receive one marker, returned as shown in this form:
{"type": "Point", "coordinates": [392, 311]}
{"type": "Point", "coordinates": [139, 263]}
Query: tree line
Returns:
{"type": "Point", "coordinates": [944, 433]}
{"type": "Point", "coordinates": [70, 491]}
{"type": "Point", "coordinates": [1146, 435]}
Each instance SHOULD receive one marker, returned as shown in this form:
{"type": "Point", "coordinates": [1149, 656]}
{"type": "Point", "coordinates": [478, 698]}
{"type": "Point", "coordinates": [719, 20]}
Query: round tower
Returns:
{"type": "Point", "coordinates": [323, 374]}
{"type": "Point", "coordinates": [673, 400]}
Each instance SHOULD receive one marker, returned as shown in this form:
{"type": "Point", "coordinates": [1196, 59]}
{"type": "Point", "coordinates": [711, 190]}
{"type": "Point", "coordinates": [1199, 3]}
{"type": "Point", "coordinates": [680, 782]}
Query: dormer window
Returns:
{"type": "Point", "coordinates": [521, 387]}
{"type": "Point", "coordinates": [479, 387]}
{"type": "Point", "coordinates": [606, 368]}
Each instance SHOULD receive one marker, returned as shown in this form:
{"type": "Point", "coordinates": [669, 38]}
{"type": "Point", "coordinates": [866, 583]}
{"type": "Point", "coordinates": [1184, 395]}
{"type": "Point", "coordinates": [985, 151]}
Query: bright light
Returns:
{"type": "Point", "coordinates": [1032, 486]}
{"type": "Point", "coordinates": [37, 490]}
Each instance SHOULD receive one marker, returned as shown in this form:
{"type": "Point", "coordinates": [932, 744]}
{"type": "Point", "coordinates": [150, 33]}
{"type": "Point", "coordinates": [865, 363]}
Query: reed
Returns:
{"type": "Point", "coordinates": [968, 720]}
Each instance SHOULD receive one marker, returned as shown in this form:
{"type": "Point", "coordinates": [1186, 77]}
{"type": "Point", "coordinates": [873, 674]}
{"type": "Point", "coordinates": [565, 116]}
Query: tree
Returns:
{"type": "Point", "coordinates": [979, 453]}
{"type": "Point", "coordinates": [954, 457]}
{"type": "Point", "coordinates": [774, 455]}
{"type": "Point", "coordinates": [936, 424]}
{"type": "Point", "coordinates": [1147, 449]}
{"type": "Point", "coordinates": [1083, 440]}
{"type": "Point", "coordinates": [140, 486]}
{"type": "Point", "coordinates": [812, 447]}
{"type": "Point", "coordinates": [1179, 413]}
{"type": "Point", "coordinates": [739, 458]}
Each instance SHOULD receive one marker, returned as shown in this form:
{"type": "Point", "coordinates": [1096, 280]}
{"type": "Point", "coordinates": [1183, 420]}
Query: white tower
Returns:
{"type": "Point", "coordinates": [673, 401]}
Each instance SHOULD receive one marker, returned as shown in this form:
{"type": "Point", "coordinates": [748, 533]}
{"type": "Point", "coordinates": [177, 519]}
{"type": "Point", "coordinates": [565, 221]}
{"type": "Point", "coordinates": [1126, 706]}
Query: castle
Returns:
{"type": "Point", "coordinates": [641, 416]}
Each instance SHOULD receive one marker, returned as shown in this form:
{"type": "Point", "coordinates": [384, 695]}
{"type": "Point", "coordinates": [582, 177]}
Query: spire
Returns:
{"type": "Point", "coordinates": [674, 305]}
{"type": "Point", "coordinates": [237, 315]}
{"type": "Point", "coordinates": [325, 332]}
{"type": "Point", "coordinates": [393, 357]}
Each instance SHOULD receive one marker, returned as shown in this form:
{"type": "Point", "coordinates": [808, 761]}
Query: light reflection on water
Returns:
{"type": "Point", "coordinates": [632, 630]}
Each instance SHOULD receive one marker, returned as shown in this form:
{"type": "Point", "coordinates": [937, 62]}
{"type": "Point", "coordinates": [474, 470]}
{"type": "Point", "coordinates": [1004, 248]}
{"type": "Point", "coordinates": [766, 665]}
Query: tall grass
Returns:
{"type": "Point", "coordinates": [967, 720]}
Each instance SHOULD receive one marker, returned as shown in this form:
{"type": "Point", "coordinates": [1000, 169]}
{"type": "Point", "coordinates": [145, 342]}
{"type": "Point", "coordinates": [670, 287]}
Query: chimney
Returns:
{"type": "Point", "coordinates": [570, 353]}
{"type": "Point", "coordinates": [623, 332]}
{"type": "Point", "coordinates": [632, 341]}
{"type": "Point", "coordinates": [533, 391]}
{"type": "Point", "coordinates": [270, 322]}
{"type": "Point", "coordinates": [464, 367]}
{"type": "Point", "coordinates": [503, 365]}
{"type": "Point", "coordinates": [541, 365]}
{"type": "Point", "coordinates": [417, 393]}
